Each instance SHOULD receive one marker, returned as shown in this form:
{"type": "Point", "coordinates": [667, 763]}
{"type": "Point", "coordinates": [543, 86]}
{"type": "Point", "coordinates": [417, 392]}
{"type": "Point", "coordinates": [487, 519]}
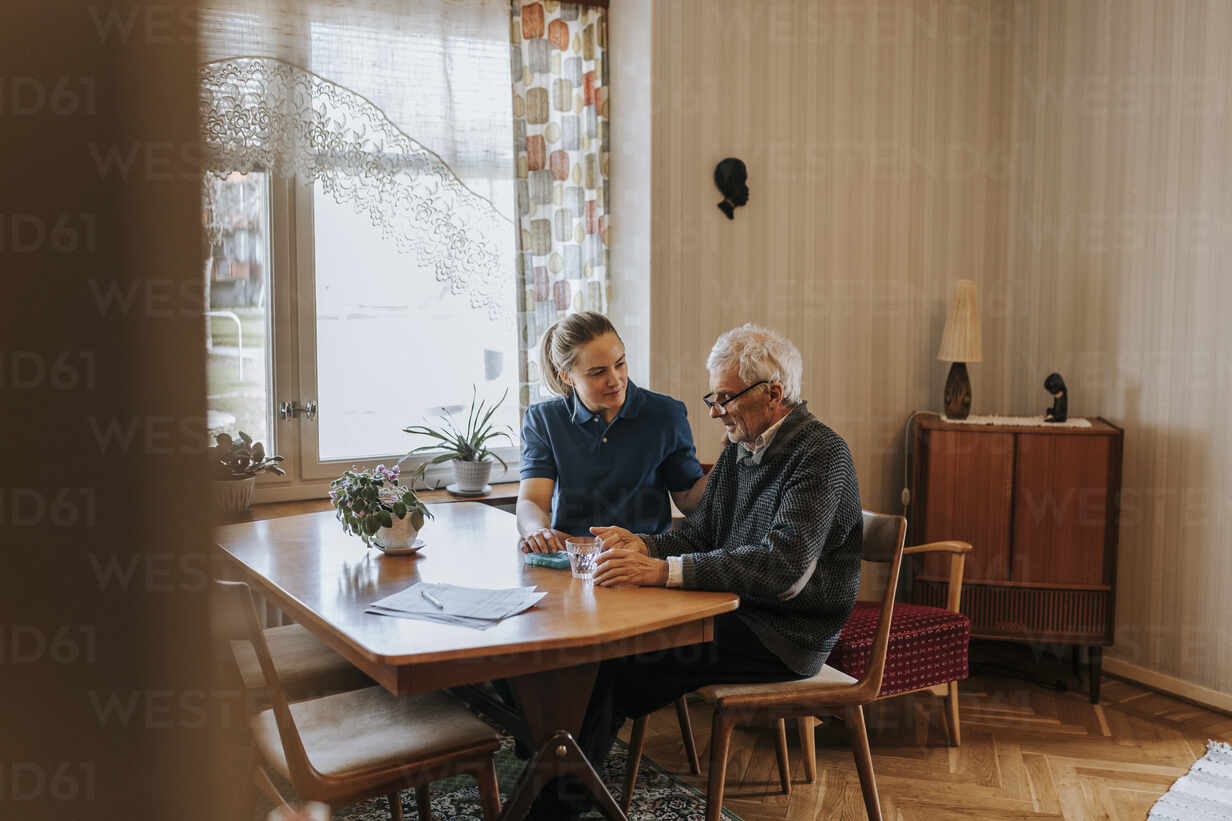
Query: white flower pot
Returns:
{"type": "Point", "coordinates": [472, 477]}
{"type": "Point", "coordinates": [399, 537]}
{"type": "Point", "coordinates": [234, 495]}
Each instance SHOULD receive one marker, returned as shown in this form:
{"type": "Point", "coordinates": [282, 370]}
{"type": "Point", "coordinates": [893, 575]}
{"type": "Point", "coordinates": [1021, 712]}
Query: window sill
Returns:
{"type": "Point", "coordinates": [504, 493]}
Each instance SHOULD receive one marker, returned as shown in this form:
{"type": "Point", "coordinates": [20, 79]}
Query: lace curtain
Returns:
{"type": "Point", "coordinates": [399, 110]}
{"type": "Point", "coordinates": [560, 137]}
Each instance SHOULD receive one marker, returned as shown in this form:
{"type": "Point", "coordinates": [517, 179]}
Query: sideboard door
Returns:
{"type": "Point", "coordinates": [1061, 509]}
{"type": "Point", "coordinates": [969, 496]}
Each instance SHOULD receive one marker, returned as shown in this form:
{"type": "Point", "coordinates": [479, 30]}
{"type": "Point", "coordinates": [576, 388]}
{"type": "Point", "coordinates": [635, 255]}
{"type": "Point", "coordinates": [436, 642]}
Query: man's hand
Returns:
{"type": "Point", "coordinates": [544, 540]}
{"type": "Point", "coordinates": [620, 566]}
{"type": "Point", "coordinates": [620, 539]}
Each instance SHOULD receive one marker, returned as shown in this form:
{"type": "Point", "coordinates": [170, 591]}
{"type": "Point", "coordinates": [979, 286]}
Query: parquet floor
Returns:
{"type": "Point", "coordinates": [1027, 753]}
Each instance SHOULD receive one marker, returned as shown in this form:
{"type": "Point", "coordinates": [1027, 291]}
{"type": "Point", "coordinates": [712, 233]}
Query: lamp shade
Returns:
{"type": "Point", "coordinates": [960, 341]}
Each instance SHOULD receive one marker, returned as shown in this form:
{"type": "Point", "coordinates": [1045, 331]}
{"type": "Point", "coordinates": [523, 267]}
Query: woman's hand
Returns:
{"type": "Point", "coordinates": [620, 566]}
{"type": "Point", "coordinates": [544, 540]}
{"type": "Point", "coordinates": [617, 538]}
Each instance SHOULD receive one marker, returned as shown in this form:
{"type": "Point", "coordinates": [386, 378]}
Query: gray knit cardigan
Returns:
{"type": "Point", "coordinates": [783, 531]}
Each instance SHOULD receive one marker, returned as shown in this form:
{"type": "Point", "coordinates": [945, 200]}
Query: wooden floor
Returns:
{"type": "Point", "coordinates": [1027, 752]}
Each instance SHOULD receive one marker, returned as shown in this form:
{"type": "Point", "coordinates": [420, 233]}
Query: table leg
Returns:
{"type": "Point", "coordinates": [1095, 669]}
{"type": "Point", "coordinates": [554, 703]}
{"type": "Point", "coordinates": [559, 755]}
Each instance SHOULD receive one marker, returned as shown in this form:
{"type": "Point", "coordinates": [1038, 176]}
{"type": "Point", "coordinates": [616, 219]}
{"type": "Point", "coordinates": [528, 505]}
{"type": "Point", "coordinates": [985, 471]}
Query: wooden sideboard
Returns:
{"type": "Point", "coordinates": [1039, 505]}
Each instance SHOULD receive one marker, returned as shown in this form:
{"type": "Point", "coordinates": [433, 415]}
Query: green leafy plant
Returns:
{"type": "Point", "coordinates": [470, 444]}
{"type": "Point", "coordinates": [366, 501]}
{"type": "Point", "coordinates": [241, 459]}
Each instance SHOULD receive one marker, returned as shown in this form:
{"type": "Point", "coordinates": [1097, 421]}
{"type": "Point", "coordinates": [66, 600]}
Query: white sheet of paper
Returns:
{"type": "Point", "coordinates": [470, 603]}
{"type": "Point", "coordinates": [437, 617]}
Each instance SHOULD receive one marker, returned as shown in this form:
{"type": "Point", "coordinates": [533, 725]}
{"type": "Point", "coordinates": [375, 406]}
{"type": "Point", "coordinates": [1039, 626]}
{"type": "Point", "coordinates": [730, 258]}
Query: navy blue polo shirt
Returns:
{"type": "Point", "coordinates": [611, 474]}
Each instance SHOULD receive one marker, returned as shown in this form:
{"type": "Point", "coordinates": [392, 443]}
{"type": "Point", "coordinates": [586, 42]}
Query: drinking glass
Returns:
{"type": "Point", "coordinates": [583, 551]}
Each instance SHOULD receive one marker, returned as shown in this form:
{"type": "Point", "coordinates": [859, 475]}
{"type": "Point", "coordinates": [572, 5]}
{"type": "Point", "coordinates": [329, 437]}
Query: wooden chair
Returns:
{"type": "Point", "coordinates": [637, 742]}
{"type": "Point", "coordinates": [351, 745]}
{"type": "Point", "coordinates": [306, 667]}
{"type": "Point", "coordinates": [831, 690]}
{"type": "Point", "coordinates": [927, 652]}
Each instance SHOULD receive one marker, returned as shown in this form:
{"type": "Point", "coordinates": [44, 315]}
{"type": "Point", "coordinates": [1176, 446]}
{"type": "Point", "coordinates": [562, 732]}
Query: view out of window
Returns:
{"type": "Point", "coordinates": [394, 346]}
{"type": "Point", "coordinates": [237, 286]}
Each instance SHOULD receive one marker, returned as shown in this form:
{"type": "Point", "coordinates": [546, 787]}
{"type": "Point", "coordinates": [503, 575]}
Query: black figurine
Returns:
{"type": "Point", "coordinates": [732, 177]}
{"type": "Point", "coordinates": [1059, 411]}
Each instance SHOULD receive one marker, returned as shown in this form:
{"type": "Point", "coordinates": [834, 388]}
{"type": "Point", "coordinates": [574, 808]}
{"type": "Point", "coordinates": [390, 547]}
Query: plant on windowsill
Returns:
{"type": "Point", "coordinates": [375, 506]}
{"type": "Point", "coordinates": [235, 465]}
{"type": "Point", "coordinates": [469, 449]}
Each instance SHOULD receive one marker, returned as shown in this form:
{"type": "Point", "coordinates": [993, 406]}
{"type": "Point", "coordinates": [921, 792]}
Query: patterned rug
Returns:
{"type": "Point", "coordinates": [658, 796]}
{"type": "Point", "coordinates": [1204, 792]}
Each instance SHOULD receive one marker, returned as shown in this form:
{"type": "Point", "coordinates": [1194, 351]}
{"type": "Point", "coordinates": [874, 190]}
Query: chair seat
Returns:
{"type": "Point", "coordinates": [928, 646]}
{"type": "Point", "coordinates": [826, 677]}
{"type": "Point", "coordinates": [302, 661]}
{"type": "Point", "coordinates": [370, 729]}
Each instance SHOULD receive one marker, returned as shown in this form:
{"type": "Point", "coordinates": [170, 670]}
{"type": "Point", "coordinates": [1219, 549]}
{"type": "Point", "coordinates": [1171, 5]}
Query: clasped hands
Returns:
{"type": "Point", "coordinates": [624, 560]}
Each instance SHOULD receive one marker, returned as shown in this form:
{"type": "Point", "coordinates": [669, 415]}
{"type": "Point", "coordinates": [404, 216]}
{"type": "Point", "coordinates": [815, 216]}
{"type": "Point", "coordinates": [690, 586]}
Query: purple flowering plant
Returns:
{"type": "Point", "coordinates": [367, 500]}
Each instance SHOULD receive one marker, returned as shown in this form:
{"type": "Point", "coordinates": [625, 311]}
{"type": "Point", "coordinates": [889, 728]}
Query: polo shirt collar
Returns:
{"type": "Point", "coordinates": [635, 399]}
{"type": "Point", "coordinates": [578, 412]}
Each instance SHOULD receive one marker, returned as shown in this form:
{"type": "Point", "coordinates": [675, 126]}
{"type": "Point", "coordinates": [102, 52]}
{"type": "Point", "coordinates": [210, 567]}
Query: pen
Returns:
{"type": "Point", "coordinates": [433, 599]}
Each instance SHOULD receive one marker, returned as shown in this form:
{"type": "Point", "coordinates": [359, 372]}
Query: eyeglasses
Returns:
{"type": "Point", "coordinates": [712, 401]}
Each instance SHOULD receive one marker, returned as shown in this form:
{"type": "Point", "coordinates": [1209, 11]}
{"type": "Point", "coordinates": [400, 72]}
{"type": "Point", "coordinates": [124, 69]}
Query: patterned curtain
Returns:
{"type": "Point", "coordinates": [560, 139]}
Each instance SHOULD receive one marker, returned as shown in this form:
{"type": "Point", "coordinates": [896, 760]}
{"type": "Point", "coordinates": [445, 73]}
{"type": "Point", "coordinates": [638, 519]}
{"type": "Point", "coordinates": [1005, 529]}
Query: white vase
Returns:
{"type": "Point", "coordinates": [471, 477]}
{"type": "Point", "coordinates": [234, 495]}
{"type": "Point", "coordinates": [399, 537]}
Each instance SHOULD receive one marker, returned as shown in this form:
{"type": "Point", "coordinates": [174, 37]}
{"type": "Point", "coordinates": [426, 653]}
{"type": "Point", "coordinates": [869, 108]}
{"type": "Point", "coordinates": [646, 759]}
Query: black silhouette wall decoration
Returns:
{"type": "Point", "coordinates": [1059, 411]}
{"type": "Point", "coordinates": [732, 178]}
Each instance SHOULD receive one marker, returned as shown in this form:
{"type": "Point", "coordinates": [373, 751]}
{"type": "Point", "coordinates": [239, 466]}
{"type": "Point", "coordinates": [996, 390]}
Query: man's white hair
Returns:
{"type": "Point", "coordinates": [759, 353]}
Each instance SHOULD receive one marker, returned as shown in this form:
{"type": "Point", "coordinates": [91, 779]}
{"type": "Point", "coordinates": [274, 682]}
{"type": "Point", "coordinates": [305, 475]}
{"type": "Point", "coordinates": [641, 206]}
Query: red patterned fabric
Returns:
{"type": "Point", "coordinates": [928, 645]}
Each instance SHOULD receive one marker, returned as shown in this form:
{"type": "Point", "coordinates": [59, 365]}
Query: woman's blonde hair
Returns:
{"type": "Point", "coordinates": [560, 345]}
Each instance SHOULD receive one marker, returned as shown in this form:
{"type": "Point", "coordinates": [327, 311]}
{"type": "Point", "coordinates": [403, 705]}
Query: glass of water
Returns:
{"type": "Point", "coordinates": [583, 551]}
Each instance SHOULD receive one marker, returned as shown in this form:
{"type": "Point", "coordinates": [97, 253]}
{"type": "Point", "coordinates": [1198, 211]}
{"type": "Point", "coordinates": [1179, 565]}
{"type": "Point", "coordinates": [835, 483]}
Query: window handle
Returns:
{"type": "Point", "coordinates": [292, 410]}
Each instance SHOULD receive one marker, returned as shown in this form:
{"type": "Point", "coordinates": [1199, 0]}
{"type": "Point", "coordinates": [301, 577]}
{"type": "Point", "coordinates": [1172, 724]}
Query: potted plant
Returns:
{"type": "Point", "coordinates": [235, 464]}
{"type": "Point", "coordinates": [378, 508]}
{"type": "Point", "coordinates": [468, 448]}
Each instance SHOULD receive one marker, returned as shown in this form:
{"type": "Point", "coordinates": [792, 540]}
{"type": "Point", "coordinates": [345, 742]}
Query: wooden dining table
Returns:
{"type": "Point", "coordinates": [324, 580]}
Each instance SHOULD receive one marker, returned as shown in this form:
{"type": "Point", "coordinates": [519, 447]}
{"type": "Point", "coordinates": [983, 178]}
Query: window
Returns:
{"type": "Point", "coordinates": [382, 138]}
{"type": "Point", "coordinates": [326, 338]}
{"type": "Point", "coordinates": [393, 346]}
{"type": "Point", "coordinates": [237, 319]}
{"type": "Point", "coordinates": [364, 333]}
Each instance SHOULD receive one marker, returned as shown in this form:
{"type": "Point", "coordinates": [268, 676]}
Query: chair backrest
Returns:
{"type": "Point", "coordinates": [239, 618]}
{"type": "Point", "coordinates": [885, 536]}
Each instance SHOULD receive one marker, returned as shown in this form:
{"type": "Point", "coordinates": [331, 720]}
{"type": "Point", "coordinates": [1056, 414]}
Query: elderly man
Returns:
{"type": "Point", "coordinates": [779, 524]}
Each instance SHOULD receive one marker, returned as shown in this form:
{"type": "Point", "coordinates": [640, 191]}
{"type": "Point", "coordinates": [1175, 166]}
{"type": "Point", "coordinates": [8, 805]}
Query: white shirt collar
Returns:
{"type": "Point", "coordinates": [763, 441]}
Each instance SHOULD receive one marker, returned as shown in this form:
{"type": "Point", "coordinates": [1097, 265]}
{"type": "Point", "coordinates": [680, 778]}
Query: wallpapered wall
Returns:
{"type": "Point", "coordinates": [1121, 222]}
{"type": "Point", "coordinates": [1066, 155]}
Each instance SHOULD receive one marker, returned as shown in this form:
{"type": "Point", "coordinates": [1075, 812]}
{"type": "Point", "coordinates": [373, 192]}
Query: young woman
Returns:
{"type": "Point", "coordinates": [606, 452]}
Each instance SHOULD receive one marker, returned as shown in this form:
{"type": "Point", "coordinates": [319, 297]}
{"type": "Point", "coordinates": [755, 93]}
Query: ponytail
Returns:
{"type": "Point", "coordinates": [547, 370]}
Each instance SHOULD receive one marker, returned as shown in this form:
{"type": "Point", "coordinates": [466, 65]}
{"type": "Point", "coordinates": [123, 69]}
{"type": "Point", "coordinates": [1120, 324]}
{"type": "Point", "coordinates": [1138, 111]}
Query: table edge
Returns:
{"type": "Point", "coordinates": [299, 611]}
